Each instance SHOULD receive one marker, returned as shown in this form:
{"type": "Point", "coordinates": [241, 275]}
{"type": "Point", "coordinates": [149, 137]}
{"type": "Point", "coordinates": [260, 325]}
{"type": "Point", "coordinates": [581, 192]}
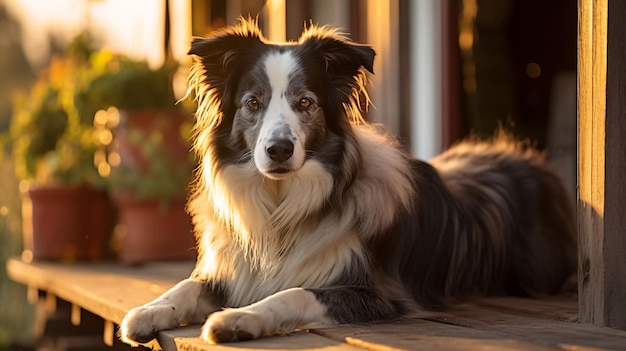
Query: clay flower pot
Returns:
{"type": "Point", "coordinates": [149, 231]}
{"type": "Point", "coordinates": [68, 223]}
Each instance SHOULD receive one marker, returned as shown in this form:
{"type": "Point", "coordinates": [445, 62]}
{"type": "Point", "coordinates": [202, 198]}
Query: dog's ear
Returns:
{"type": "Point", "coordinates": [340, 54]}
{"type": "Point", "coordinates": [222, 46]}
{"type": "Point", "coordinates": [216, 70]}
{"type": "Point", "coordinates": [347, 58]}
{"type": "Point", "coordinates": [345, 63]}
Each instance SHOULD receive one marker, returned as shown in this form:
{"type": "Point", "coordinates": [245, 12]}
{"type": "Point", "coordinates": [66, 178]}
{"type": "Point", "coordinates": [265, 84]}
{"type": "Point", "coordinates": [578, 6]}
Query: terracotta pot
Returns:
{"type": "Point", "coordinates": [168, 123]}
{"type": "Point", "coordinates": [148, 231]}
{"type": "Point", "coordinates": [69, 223]}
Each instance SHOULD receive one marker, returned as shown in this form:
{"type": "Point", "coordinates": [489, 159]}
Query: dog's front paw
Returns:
{"type": "Point", "coordinates": [142, 323]}
{"type": "Point", "coordinates": [234, 324]}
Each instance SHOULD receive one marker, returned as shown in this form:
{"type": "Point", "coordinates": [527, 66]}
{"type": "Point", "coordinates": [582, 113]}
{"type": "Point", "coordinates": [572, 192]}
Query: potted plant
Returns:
{"type": "Point", "coordinates": [152, 165]}
{"type": "Point", "coordinates": [66, 209]}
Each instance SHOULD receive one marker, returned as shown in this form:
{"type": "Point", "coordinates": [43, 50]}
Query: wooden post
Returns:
{"type": "Point", "coordinates": [276, 24]}
{"type": "Point", "coordinates": [602, 162]}
{"type": "Point", "coordinates": [615, 199]}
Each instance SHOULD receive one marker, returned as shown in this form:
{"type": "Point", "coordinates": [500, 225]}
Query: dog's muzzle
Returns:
{"type": "Point", "coordinates": [279, 156]}
{"type": "Point", "coordinates": [279, 150]}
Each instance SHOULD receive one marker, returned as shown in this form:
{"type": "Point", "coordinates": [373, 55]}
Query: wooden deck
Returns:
{"type": "Point", "coordinates": [109, 290]}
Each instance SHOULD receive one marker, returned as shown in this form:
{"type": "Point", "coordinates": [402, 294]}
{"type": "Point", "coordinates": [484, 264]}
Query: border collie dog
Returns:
{"type": "Point", "coordinates": [306, 216]}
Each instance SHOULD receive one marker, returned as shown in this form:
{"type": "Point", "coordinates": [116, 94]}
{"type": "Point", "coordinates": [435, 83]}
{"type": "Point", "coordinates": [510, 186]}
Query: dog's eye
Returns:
{"type": "Point", "coordinates": [304, 103]}
{"type": "Point", "coordinates": [253, 104]}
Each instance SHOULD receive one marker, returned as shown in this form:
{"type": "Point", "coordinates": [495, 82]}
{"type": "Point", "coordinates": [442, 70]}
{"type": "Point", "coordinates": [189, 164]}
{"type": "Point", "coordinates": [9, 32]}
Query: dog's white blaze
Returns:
{"type": "Point", "coordinates": [278, 67]}
{"type": "Point", "coordinates": [280, 116]}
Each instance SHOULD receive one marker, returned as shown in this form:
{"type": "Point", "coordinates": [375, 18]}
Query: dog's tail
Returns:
{"type": "Point", "coordinates": [494, 218]}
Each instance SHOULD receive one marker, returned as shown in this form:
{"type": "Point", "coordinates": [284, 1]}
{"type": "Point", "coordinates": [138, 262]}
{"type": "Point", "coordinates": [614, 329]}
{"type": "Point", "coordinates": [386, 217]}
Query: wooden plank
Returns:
{"type": "Point", "coordinates": [615, 157]}
{"type": "Point", "coordinates": [51, 302]}
{"type": "Point", "coordinates": [108, 334]}
{"type": "Point", "coordinates": [562, 308]}
{"type": "Point", "coordinates": [590, 226]}
{"type": "Point", "coordinates": [32, 295]}
{"type": "Point", "coordinates": [572, 336]}
{"type": "Point", "coordinates": [167, 339]}
{"type": "Point", "coordinates": [601, 162]}
{"type": "Point", "coordinates": [418, 334]}
{"type": "Point", "coordinates": [108, 290]}
{"type": "Point", "coordinates": [75, 314]}
{"type": "Point", "coordinates": [296, 341]}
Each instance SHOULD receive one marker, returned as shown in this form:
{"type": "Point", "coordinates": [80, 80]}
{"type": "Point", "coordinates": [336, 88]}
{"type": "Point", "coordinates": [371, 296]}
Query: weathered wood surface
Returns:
{"type": "Point", "coordinates": [615, 199]}
{"type": "Point", "coordinates": [109, 290]}
{"type": "Point", "coordinates": [602, 161]}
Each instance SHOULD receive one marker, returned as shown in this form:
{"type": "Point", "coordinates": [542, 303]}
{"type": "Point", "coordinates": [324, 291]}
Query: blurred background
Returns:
{"type": "Point", "coordinates": [445, 69]}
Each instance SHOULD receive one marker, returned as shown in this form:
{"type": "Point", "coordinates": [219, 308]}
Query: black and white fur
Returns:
{"type": "Point", "coordinates": [306, 216]}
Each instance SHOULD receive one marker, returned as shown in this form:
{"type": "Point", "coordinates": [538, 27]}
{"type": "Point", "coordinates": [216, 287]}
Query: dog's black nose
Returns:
{"type": "Point", "coordinates": [279, 150]}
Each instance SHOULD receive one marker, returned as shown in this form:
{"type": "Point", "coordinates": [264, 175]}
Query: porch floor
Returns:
{"type": "Point", "coordinates": [108, 290]}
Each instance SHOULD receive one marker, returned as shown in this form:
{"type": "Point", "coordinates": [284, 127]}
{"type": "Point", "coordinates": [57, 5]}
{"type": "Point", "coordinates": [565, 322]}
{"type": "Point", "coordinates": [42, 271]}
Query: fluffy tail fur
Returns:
{"type": "Point", "coordinates": [494, 218]}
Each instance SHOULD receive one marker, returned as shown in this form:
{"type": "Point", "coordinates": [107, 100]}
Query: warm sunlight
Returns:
{"type": "Point", "coordinates": [138, 29]}
{"type": "Point", "coordinates": [312, 174]}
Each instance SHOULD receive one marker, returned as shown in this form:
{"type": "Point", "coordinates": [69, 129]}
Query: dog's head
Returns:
{"type": "Point", "coordinates": [277, 105]}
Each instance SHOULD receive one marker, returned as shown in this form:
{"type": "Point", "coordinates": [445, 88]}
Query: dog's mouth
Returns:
{"type": "Point", "coordinates": [279, 172]}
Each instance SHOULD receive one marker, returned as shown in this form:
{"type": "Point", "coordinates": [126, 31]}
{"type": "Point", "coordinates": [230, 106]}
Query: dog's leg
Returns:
{"type": "Point", "coordinates": [296, 308]}
{"type": "Point", "coordinates": [189, 301]}
{"type": "Point", "coordinates": [280, 313]}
